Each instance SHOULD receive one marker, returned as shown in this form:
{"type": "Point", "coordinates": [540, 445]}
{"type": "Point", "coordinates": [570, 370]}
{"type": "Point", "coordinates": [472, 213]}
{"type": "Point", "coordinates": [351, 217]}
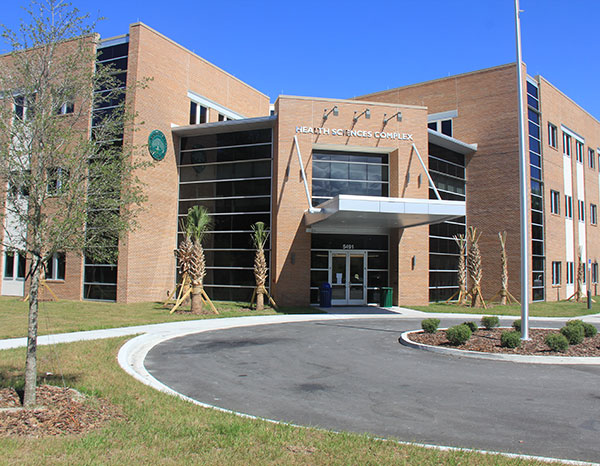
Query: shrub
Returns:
{"type": "Point", "coordinates": [517, 325]}
{"type": "Point", "coordinates": [489, 322]}
{"type": "Point", "coordinates": [575, 322]}
{"type": "Point", "coordinates": [459, 334]}
{"type": "Point", "coordinates": [510, 339]}
{"type": "Point", "coordinates": [430, 325]}
{"type": "Point", "coordinates": [472, 325]}
{"type": "Point", "coordinates": [589, 330]}
{"type": "Point", "coordinates": [557, 342]}
{"type": "Point", "coordinates": [573, 332]}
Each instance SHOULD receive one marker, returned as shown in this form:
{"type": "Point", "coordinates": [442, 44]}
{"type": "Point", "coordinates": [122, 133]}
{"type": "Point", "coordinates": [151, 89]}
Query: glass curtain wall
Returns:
{"type": "Point", "coordinates": [538, 258]}
{"type": "Point", "coordinates": [230, 175]}
{"type": "Point", "coordinates": [336, 173]}
{"type": "Point", "coordinates": [447, 169]}
{"type": "Point", "coordinates": [100, 279]}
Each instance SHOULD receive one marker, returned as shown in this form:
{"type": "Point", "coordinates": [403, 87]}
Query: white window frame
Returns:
{"type": "Point", "coordinates": [593, 214]}
{"type": "Point", "coordinates": [591, 158]}
{"type": "Point", "coordinates": [570, 273]}
{"type": "Point", "coordinates": [53, 266]}
{"type": "Point", "coordinates": [581, 210]}
{"type": "Point", "coordinates": [566, 144]}
{"type": "Point", "coordinates": [579, 151]}
{"type": "Point", "coordinates": [556, 273]}
{"type": "Point", "coordinates": [555, 202]}
{"type": "Point", "coordinates": [568, 206]}
{"type": "Point", "coordinates": [552, 135]}
{"type": "Point", "coordinates": [66, 108]}
{"type": "Point", "coordinates": [199, 108]}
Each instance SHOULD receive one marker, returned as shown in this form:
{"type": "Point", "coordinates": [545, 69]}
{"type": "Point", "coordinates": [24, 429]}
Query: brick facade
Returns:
{"type": "Point", "coordinates": [484, 105]}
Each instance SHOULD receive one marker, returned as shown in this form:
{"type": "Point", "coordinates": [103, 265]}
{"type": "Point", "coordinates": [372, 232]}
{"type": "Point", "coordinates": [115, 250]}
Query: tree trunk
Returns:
{"type": "Point", "coordinates": [29, 400]}
{"type": "Point", "coordinates": [196, 299]}
{"type": "Point", "coordinates": [260, 301]}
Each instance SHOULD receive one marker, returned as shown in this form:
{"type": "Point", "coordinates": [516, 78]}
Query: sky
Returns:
{"type": "Point", "coordinates": [342, 49]}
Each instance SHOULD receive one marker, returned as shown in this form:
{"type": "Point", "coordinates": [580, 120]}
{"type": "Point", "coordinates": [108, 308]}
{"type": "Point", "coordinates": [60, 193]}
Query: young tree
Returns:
{"type": "Point", "coordinates": [260, 234]}
{"type": "Point", "coordinates": [67, 184]}
{"type": "Point", "coordinates": [197, 223]}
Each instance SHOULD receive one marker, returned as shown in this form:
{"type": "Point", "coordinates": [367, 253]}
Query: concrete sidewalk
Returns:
{"type": "Point", "coordinates": [192, 326]}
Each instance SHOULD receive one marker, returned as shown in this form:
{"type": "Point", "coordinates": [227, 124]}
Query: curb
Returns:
{"type": "Point", "coordinates": [518, 358]}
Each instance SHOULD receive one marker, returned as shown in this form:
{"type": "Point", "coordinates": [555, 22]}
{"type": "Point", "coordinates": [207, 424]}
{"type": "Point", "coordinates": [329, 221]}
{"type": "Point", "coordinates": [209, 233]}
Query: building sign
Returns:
{"type": "Point", "coordinates": [355, 133]}
{"type": "Point", "coordinates": [157, 144]}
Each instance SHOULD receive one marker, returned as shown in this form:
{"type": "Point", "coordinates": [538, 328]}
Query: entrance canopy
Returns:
{"type": "Point", "coordinates": [377, 215]}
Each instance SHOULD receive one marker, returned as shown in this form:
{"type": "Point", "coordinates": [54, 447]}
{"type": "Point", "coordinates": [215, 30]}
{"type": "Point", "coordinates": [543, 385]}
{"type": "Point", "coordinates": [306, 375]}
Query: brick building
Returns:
{"type": "Point", "coordinates": [344, 185]}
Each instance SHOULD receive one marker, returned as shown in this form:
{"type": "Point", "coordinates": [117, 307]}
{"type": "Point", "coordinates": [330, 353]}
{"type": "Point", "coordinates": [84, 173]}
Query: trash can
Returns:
{"type": "Point", "coordinates": [385, 296]}
{"type": "Point", "coordinates": [325, 295]}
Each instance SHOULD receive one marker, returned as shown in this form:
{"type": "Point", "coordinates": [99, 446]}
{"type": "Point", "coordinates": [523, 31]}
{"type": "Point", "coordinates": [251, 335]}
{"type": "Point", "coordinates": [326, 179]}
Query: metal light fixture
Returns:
{"type": "Point", "coordinates": [334, 110]}
{"type": "Point", "coordinates": [366, 113]}
{"type": "Point", "coordinates": [398, 116]}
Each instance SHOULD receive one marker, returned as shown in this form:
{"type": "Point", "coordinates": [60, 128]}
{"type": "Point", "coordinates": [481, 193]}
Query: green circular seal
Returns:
{"type": "Point", "coordinates": [157, 144]}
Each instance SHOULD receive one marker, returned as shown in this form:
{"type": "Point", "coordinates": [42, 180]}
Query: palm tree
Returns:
{"type": "Point", "coordinates": [197, 223]}
{"type": "Point", "coordinates": [259, 238]}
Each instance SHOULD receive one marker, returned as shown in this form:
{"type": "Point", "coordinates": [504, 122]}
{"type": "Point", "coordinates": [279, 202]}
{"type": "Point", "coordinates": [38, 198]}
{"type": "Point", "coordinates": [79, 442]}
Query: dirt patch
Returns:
{"type": "Point", "coordinates": [488, 341]}
{"type": "Point", "coordinates": [60, 411]}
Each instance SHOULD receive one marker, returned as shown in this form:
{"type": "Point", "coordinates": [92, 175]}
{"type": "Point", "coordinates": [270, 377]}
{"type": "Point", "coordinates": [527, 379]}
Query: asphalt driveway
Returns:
{"type": "Point", "coordinates": [353, 375]}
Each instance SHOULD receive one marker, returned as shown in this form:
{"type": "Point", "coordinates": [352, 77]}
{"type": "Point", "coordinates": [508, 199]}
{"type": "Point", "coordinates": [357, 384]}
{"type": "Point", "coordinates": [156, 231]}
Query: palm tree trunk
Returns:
{"type": "Point", "coordinates": [196, 299]}
{"type": "Point", "coordinates": [29, 399]}
{"type": "Point", "coordinates": [260, 301]}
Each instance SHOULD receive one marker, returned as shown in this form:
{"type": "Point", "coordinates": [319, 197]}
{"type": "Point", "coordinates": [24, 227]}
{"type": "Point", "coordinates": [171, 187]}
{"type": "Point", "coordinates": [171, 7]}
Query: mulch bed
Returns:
{"type": "Point", "coordinates": [60, 411]}
{"type": "Point", "coordinates": [488, 341]}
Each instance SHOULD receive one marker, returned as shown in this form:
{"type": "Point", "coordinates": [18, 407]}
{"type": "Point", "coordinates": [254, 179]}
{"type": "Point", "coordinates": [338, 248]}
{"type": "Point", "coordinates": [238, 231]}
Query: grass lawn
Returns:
{"type": "Point", "coordinates": [161, 429]}
{"type": "Point", "coordinates": [541, 309]}
{"type": "Point", "coordinates": [71, 316]}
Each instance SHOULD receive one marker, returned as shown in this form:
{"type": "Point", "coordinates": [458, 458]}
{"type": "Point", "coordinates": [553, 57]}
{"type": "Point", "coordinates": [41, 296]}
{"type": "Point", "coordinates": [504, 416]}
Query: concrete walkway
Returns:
{"type": "Point", "coordinates": [201, 325]}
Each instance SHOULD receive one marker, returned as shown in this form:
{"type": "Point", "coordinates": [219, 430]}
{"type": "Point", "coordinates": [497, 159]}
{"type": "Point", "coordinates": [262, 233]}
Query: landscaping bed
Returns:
{"type": "Point", "coordinates": [60, 411]}
{"type": "Point", "coordinates": [488, 341]}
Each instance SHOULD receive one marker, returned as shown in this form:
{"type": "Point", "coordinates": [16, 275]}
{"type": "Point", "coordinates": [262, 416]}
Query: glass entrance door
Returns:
{"type": "Point", "coordinates": [347, 277]}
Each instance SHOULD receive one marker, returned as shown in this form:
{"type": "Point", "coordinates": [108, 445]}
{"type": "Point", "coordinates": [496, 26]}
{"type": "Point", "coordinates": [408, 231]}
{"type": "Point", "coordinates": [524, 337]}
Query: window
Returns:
{"type": "Point", "coordinates": [14, 270]}
{"type": "Point", "coordinates": [579, 151]}
{"type": "Point", "coordinates": [361, 174]}
{"type": "Point", "coordinates": [566, 144]}
{"type": "Point", "coordinates": [552, 136]}
{"type": "Point", "coordinates": [223, 117]}
{"type": "Point", "coordinates": [595, 272]}
{"type": "Point", "coordinates": [24, 107]}
{"type": "Point", "coordinates": [568, 206]}
{"type": "Point", "coordinates": [592, 158]}
{"type": "Point", "coordinates": [593, 214]}
{"type": "Point", "coordinates": [554, 202]}
{"type": "Point", "coordinates": [556, 273]}
{"type": "Point", "coordinates": [66, 108]}
{"type": "Point", "coordinates": [581, 210]}
{"type": "Point", "coordinates": [198, 113]}
{"type": "Point", "coordinates": [55, 267]}
{"type": "Point", "coordinates": [570, 273]}
{"type": "Point", "coordinates": [56, 179]}
{"type": "Point", "coordinates": [441, 126]}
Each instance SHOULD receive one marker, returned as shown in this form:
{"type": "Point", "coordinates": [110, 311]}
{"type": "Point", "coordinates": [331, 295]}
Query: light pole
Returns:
{"type": "Point", "coordinates": [522, 189]}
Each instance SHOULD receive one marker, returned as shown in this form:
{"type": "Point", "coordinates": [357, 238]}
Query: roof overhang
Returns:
{"type": "Point", "coordinates": [229, 126]}
{"type": "Point", "coordinates": [378, 215]}
{"type": "Point", "coordinates": [450, 143]}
